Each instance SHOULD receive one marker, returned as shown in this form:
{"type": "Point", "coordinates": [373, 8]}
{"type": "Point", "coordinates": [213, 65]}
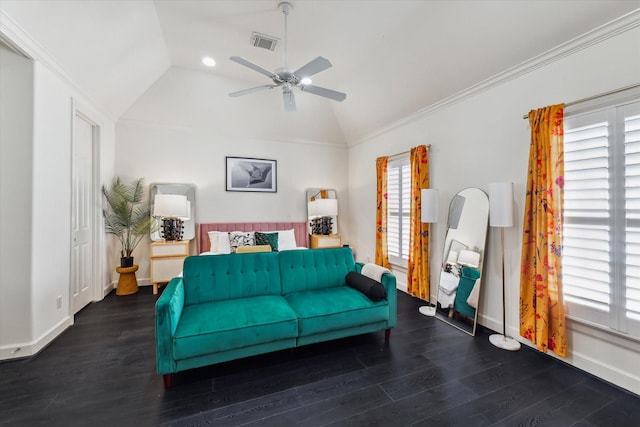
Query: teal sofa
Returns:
{"type": "Point", "coordinates": [226, 307]}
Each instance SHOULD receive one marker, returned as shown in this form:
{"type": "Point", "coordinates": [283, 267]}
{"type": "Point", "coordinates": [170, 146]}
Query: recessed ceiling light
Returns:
{"type": "Point", "coordinates": [306, 81]}
{"type": "Point", "coordinates": [209, 61]}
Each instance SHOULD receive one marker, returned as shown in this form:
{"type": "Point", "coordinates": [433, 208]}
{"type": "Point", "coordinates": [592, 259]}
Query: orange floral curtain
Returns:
{"type": "Point", "coordinates": [542, 317]}
{"type": "Point", "coordinates": [382, 251]}
{"type": "Point", "coordinates": [418, 266]}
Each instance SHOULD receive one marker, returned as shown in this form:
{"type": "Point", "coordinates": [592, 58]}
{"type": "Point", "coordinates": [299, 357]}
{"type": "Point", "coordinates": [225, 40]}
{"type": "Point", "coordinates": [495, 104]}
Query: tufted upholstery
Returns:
{"type": "Point", "coordinates": [318, 268]}
{"type": "Point", "coordinates": [221, 277]}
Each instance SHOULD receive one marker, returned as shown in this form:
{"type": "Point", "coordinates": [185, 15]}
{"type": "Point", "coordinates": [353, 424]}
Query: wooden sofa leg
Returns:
{"type": "Point", "coordinates": [167, 380]}
{"type": "Point", "coordinates": [387, 334]}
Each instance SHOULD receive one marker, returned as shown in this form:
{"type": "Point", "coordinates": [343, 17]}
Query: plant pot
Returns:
{"type": "Point", "coordinates": [126, 262]}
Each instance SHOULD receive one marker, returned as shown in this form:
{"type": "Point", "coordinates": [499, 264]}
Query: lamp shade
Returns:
{"type": "Point", "coordinates": [501, 204]}
{"type": "Point", "coordinates": [326, 207]}
{"type": "Point", "coordinates": [171, 206]}
{"type": "Point", "coordinates": [429, 205]}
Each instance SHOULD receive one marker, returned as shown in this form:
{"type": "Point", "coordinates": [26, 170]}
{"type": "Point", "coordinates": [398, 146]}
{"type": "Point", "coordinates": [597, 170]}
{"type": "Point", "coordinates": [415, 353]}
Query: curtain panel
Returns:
{"type": "Point", "coordinates": [382, 251]}
{"type": "Point", "coordinates": [542, 316]}
{"type": "Point", "coordinates": [419, 240]}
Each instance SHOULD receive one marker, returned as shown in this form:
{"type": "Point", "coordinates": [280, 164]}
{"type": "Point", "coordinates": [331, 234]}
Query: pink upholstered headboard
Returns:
{"type": "Point", "coordinates": [300, 229]}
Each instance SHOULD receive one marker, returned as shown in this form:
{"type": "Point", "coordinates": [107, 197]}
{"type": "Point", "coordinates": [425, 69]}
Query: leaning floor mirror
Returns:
{"type": "Point", "coordinates": [464, 253]}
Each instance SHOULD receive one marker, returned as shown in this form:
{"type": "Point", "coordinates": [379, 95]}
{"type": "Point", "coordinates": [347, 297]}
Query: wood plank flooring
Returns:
{"type": "Point", "coordinates": [101, 372]}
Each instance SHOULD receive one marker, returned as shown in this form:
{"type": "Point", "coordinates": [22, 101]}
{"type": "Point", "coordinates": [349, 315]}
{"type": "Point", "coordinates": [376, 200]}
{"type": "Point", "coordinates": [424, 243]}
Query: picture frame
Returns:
{"type": "Point", "coordinates": [252, 175]}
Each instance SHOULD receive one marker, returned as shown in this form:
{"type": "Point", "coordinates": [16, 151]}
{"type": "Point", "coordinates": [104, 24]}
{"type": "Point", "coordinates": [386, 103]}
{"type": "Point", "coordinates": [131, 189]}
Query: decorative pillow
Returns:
{"type": "Point", "coordinates": [219, 242]}
{"type": "Point", "coordinates": [371, 288]}
{"type": "Point", "coordinates": [270, 239]}
{"type": "Point", "coordinates": [241, 238]}
{"type": "Point", "coordinates": [286, 239]}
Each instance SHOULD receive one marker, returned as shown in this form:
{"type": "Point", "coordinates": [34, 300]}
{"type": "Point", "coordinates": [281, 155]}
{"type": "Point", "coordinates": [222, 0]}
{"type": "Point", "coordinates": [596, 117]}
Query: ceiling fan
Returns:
{"type": "Point", "coordinates": [287, 78]}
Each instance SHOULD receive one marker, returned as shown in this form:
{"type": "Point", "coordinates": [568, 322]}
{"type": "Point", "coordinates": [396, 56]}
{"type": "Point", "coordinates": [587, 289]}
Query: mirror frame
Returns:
{"type": "Point", "coordinates": [188, 190]}
{"type": "Point", "coordinates": [461, 215]}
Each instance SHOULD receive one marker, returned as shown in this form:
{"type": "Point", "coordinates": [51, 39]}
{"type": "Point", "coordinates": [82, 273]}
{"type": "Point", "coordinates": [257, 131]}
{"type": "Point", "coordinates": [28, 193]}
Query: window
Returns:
{"type": "Point", "coordinates": [601, 246]}
{"type": "Point", "coordinates": [398, 203]}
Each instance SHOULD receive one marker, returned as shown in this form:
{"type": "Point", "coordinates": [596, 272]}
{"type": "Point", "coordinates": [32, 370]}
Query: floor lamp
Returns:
{"type": "Point", "coordinates": [501, 215]}
{"type": "Point", "coordinates": [429, 214]}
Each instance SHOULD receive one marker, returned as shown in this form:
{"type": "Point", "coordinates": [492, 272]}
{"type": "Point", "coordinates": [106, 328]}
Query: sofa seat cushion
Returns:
{"type": "Point", "coordinates": [340, 307]}
{"type": "Point", "coordinates": [213, 327]}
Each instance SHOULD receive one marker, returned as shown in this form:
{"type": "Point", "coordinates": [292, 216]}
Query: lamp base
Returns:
{"type": "Point", "coordinates": [504, 343]}
{"type": "Point", "coordinates": [427, 310]}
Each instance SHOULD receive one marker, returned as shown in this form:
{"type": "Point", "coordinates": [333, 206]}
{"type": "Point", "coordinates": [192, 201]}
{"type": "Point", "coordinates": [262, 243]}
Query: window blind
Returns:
{"type": "Point", "coordinates": [601, 242]}
{"type": "Point", "coordinates": [398, 203]}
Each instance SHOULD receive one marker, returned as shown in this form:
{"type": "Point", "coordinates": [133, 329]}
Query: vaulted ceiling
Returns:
{"type": "Point", "coordinates": [392, 58]}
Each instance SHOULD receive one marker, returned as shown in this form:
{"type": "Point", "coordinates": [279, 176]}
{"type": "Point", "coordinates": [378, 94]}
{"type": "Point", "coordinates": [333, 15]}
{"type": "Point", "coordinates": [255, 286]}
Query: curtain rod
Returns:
{"type": "Point", "coordinates": [590, 98]}
{"type": "Point", "coordinates": [407, 152]}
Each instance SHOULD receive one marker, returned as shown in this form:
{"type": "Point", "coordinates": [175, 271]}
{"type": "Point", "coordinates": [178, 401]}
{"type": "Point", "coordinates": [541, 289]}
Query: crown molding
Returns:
{"type": "Point", "coordinates": [599, 34]}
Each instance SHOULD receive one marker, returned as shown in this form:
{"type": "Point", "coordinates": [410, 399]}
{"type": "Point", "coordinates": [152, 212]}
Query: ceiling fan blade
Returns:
{"type": "Point", "coordinates": [242, 61]}
{"type": "Point", "coordinates": [313, 67]}
{"type": "Point", "coordinates": [327, 93]}
{"type": "Point", "coordinates": [251, 90]}
{"type": "Point", "coordinates": [289, 101]}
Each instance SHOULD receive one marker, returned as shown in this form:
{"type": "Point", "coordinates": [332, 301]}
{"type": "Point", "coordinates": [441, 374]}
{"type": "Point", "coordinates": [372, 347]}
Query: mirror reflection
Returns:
{"type": "Point", "coordinates": [188, 221]}
{"type": "Point", "coordinates": [463, 256]}
{"type": "Point", "coordinates": [322, 211]}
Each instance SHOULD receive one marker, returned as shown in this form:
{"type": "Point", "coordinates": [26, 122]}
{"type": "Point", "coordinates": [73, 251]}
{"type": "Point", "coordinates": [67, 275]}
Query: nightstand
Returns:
{"type": "Point", "coordinates": [325, 241]}
{"type": "Point", "coordinates": [166, 261]}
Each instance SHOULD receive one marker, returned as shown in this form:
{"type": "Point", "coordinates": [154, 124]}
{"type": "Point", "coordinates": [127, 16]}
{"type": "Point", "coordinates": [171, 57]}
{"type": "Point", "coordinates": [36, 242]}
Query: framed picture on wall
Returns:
{"type": "Point", "coordinates": [247, 174]}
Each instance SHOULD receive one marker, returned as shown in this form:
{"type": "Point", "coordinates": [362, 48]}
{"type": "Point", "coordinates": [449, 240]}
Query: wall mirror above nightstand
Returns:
{"type": "Point", "coordinates": [167, 255]}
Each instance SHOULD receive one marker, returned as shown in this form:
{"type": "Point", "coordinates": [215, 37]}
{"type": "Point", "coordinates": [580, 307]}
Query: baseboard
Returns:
{"type": "Point", "coordinates": [20, 350]}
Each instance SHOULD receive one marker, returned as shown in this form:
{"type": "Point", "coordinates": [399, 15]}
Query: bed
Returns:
{"type": "Point", "coordinates": [300, 230]}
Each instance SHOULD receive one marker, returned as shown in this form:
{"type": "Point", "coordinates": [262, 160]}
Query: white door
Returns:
{"type": "Point", "coordinates": [84, 133]}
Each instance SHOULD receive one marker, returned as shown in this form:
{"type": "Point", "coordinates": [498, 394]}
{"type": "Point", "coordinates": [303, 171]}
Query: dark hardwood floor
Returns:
{"type": "Point", "coordinates": [101, 372]}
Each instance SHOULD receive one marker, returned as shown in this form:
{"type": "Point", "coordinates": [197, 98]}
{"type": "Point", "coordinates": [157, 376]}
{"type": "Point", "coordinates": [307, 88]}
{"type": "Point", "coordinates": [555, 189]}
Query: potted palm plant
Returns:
{"type": "Point", "coordinates": [127, 216]}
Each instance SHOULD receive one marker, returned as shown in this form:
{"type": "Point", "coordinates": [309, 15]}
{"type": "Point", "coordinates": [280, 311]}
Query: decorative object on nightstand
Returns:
{"type": "Point", "coordinates": [429, 214]}
{"type": "Point", "coordinates": [322, 212]}
{"type": "Point", "coordinates": [501, 215]}
{"type": "Point", "coordinates": [166, 261]}
{"type": "Point", "coordinates": [173, 209]}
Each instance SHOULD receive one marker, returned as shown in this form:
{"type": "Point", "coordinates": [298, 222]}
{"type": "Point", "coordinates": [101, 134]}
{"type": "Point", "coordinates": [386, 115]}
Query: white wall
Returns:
{"type": "Point", "coordinates": [41, 170]}
{"type": "Point", "coordinates": [484, 139]}
{"type": "Point", "coordinates": [16, 150]}
{"type": "Point", "coordinates": [182, 128]}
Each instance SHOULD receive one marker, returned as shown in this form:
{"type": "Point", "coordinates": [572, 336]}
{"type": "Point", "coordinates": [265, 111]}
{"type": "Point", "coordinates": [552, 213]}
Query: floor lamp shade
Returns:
{"type": "Point", "coordinates": [429, 205]}
{"type": "Point", "coordinates": [501, 215]}
{"type": "Point", "coordinates": [428, 214]}
{"type": "Point", "coordinates": [501, 204]}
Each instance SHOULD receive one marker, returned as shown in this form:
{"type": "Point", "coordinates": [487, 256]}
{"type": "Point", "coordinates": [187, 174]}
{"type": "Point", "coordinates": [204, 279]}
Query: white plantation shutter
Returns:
{"type": "Point", "coordinates": [601, 245]}
{"type": "Point", "coordinates": [398, 202]}
{"type": "Point", "coordinates": [632, 199]}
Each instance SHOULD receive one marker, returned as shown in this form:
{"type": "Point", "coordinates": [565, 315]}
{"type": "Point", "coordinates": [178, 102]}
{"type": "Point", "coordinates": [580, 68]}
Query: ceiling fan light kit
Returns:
{"type": "Point", "coordinates": [286, 78]}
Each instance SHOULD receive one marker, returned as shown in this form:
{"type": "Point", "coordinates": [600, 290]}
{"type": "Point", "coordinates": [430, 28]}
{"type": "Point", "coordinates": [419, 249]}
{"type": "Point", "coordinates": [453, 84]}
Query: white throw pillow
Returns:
{"type": "Point", "coordinates": [219, 242]}
{"type": "Point", "coordinates": [286, 239]}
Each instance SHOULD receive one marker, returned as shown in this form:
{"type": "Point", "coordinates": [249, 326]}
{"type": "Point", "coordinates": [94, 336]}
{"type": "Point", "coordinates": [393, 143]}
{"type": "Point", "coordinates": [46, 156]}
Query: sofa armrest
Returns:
{"type": "Point", "coordinates": [168, 312]}
{"type": "Point", "coordinates": [388, 280]}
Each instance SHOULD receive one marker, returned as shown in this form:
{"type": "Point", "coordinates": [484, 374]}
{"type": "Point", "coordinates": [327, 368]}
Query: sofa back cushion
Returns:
{"type": "Point", "coordinates": [209, 278]}
{"type": "Point", "coordinates": [303, 270]}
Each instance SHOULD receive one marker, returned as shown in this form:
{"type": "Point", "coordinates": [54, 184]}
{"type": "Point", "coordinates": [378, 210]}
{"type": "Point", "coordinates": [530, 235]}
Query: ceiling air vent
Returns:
{"type": "Point", "coordinates": [264, 41]}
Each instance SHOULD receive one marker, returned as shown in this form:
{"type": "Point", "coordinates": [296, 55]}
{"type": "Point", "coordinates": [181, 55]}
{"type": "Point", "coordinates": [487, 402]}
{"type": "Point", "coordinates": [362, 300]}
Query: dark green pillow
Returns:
{"type": "Point", "coordinates": [270, 239]}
